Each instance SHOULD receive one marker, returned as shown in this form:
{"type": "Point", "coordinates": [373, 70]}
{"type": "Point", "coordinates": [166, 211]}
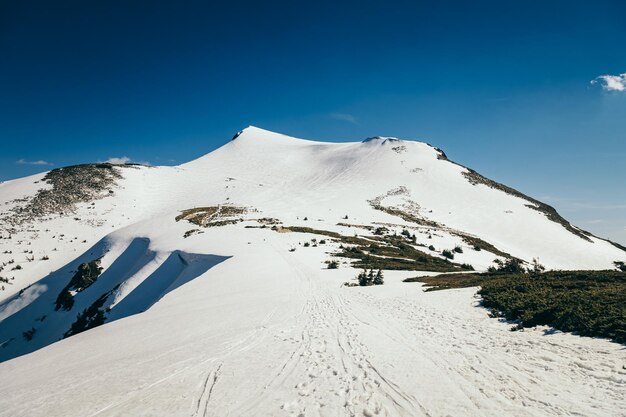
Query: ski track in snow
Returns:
{"type": "Point", "coordinates": [389, 351]}
{"type": "Point", "coordinates": [269, 332]}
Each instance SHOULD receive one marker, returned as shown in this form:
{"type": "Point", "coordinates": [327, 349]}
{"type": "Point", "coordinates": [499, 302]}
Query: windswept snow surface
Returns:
{"type": "Point", "coordinates": [229, 322]}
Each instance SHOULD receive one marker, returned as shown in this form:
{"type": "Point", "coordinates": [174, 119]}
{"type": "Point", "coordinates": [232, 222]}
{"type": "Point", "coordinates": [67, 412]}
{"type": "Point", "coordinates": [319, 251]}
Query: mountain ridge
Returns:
{"type": "Point", "coordinates": [199, 288]}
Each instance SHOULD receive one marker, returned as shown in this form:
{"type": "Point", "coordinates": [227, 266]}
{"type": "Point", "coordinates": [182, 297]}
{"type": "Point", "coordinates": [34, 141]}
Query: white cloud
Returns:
{"type": "Point", "coordinates": [119, 160]}
{"type": "Point", "coordinates": [611, 82]}
{"type": "Point", "coordinates": [39, 162]}
{"type": "Point", "coordinates": [345, 117]}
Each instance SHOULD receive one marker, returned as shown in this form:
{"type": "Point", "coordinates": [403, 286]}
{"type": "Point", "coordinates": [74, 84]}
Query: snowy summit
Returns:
{"type": "Point", "coordinates": [216, 288]}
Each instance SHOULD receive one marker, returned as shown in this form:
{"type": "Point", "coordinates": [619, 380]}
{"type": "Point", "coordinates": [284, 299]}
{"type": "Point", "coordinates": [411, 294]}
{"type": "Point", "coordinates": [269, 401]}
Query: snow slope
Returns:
{"type": "Point", "coordinates": [229, 321]}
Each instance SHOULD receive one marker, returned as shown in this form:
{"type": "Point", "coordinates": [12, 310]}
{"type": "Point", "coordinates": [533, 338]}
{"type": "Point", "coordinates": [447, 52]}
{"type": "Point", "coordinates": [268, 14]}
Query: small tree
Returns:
{"type": "Point", "coordinates": [370, 277]}
{"type": "Point", "coordinates": [380, 231]}
{"type": "Point", "coordinates": [28, 334]}
{"type": "Point", "coordinates": [458, 249]}
{"type": "Point", "coordinates": [362, 278]}
{"type": "Point", "coordinates": [378, 279]}
{"type": "Point", "coordinates": [447, 254]}
{"type": "Point", "coordinates": [537, 267]}
{"type": "Point", "coordinates": [511, 266]}
{"type": "Point", "coordinates": [333, 265]}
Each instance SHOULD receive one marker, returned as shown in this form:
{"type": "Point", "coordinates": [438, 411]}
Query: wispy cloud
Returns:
{"type": "Point", "coordinates": [39, 162]}
{"type": "Point", "coordinates": [345, 117]}
{"type": "Point", "coordinates": [121, 160]}
{"type": "Point", "coordinates": [118, 160]}
{"type": "Point", "coordinates": [611, 82]}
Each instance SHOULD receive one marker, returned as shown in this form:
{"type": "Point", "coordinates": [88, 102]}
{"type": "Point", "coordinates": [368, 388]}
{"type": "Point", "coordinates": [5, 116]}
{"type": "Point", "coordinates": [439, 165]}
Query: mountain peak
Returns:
{"type": "Point", "coordinates": [382, 139]}
{"type": "Point", "coordinates": [258, 132]}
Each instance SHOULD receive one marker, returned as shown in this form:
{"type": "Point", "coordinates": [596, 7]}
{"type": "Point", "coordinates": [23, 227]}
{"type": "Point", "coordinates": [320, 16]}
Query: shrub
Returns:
{"type": "Point", "coordinates": [379, 279]}
{"type": "Point", "coordinates": [333, 265]}
{"type": "Point", "coordinates": [590, 303]}
{"type": "Point", "coordinates": [620, 265]}
{"type": "Point", "coordinates": [379, 231]}
{"type": "Point", "coordinates": [537, 267]}
{"type": "Point", "coordinates": [447, 254]}
{"type": "Point", "coordinates": [477, 248]}
{"type": "Point", "coordinates": [458, 249]}
{"type": "Point", "coordinates": [64, 301]}
{"type": "Point", "coordinates": [366, 279]}
{"type": "Point", "coordinates": [89, 318]}
{"type": "Point", "coordinates": [431, 247]}
{"type": "Point", "coordinates": [306, 244]}
{"type": "Point", "coordinates": [510, 266]}
{"type": "Point", "coordinates": [28, 334]}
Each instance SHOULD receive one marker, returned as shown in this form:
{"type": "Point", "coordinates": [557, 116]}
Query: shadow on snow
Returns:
{"type": "Point", "coordinates": [137, 278]}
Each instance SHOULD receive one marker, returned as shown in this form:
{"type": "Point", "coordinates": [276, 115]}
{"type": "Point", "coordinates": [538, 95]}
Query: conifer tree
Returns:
{"type": "Point", "coordinates": [363, 278]}
{"type": "Point", "coordinates": [378, 279]}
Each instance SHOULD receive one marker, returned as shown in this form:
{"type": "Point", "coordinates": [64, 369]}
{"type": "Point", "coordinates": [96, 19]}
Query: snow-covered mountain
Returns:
{"type": "Point", "coordinates": [225, 258]}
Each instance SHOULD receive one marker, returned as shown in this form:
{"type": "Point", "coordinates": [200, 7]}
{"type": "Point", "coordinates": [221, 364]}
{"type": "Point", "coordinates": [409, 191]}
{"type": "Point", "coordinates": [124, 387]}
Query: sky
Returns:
{"type": "Point", "coordinates": [531, 94]}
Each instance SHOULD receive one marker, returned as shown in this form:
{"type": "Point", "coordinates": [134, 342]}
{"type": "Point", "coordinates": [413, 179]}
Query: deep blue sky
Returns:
{"type": "Point", "coordinates": [501, 86]}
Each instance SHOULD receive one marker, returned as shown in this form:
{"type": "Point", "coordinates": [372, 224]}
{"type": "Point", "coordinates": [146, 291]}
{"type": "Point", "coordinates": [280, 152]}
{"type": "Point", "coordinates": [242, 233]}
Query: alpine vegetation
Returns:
{"type": "Point", "coordinates": [266, 279]}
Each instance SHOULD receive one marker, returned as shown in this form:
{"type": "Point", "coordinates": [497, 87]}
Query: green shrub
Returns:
{"type": "Point", "coordinates": [510, 266]}
{"type": "Point", "coordinates": [379, 231]}
{"type": "Point", "coordinates": [84, 277]}
{"type": "Point", "coordinates": [28, 334]}
{"type": "Point", "coordinates": [64, 301]}
{"type": "Point", "coordinates": [364, 279]}
{"type": "Point", "coordinates": [378, 279]}
{"type": "Point", "coordinates": [590, 303]}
